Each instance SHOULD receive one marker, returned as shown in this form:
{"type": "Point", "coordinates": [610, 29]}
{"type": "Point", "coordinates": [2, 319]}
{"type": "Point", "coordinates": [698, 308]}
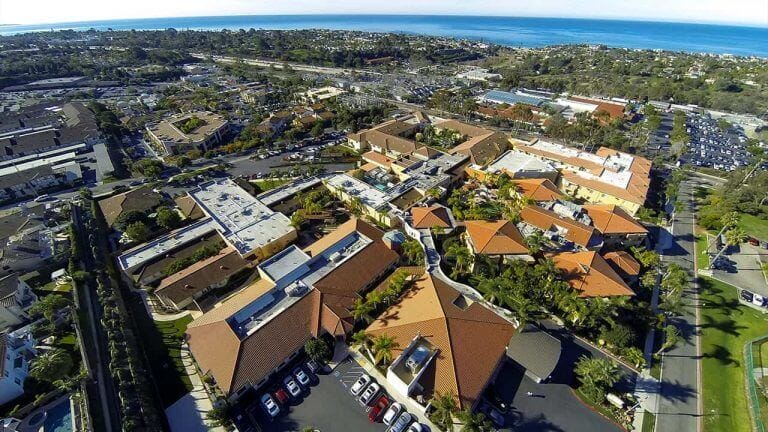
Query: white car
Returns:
{"type": "Point", "coordinates": [393, 411]}
{"type": "Point", "coordinates": [269, 405]}
{"type": "Point", "coordinates": [758, 300]}
{"type": "Point", "coordinates": [369, 393]}
{"type": "Point", "coordinates": [360, 384]}
{"type": "Point", "coordinates": [301, 377]}
{"type": "Point", "coordinates": [291, 386]}
{"type": "Point", "coordinates": [401, 423]}
{"type": "Point", "coordinates": [416, 427]}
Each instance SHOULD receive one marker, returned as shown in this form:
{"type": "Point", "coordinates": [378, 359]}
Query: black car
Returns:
{"type": "Point", "coordinates": [747, 296]}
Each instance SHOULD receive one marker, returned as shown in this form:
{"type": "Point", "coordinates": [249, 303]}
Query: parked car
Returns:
{"type": "Point", "coordinates": [393, 411]}
{"type": "Point", "coordinates": [753, 241]}
{"type": "Point", "coordinates": [747, 296]}
{"type": "Point", "coordinates": [281, 396]}
{"type": "Point", "coordinates": [369, 393]}
{"type": "Point", "coordinates": [415, 427]}
{"type": "Point", "coordinates": [269, 405]}
{"type": "Point", "coordinates": [378, 407]}
{"type": "Point", "coordinates": [301, 376]}
{"type": "Point", "coordinates": [360, 384]}
{"type": "Point", "coordinates": [313, 366]}
{"type": "Point", "coordinates": [758, 300]}
{"type": "Point", "coordinates": [291, 386]}
{"type": "Point", "coordinates": [401, 423]}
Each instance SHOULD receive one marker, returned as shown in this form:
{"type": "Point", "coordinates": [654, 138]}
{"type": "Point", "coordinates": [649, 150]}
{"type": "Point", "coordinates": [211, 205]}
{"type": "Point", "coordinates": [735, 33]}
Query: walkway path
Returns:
{"type": "Point", "coordinates": [188, 413]}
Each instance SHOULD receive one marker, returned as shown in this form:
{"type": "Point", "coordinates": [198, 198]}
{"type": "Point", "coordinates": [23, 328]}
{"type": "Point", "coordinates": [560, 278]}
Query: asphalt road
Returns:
{"type": "Point", "coordinates": [680, 381]}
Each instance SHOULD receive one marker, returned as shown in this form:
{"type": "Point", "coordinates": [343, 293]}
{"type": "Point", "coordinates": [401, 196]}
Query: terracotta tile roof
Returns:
{"type": "Point", "coordinates": [569, 160]}
{"type": "Point", "coordinates": [234, 363]}
{"type": "Point", "coordinates": [613, 109]}
{"type": "Point", "coordinates": [496, 238]}
{"type": "Point", "coordinates": [462, 128]}
{"type": "Point", "coordinates": [201, 275]}
{"type": "Point", "coordinates": [389, 136]}
{"type": "Point", "coordinates": [623, 263]}
{"type": "Point", "coordinates": [189, 207]}
{"type": "Point", "coordinates": [425, 152]}
{"type": "Point", "coordinates": [590, 274]}
{"type": "Point", "coordinates": [465, 362]}
{"type": "Point", "coordinates": [483, 149]}
{"type": "Point", "coordinates": [141, 199]}
{"type": "Point", "coordinates": [576, 232]}
{"type": "Point", "coordinates": [612, 219]}
{"type": "Point", "coordinates": [378, 159]}
{"type": "Point", "coordinates": [430, 217]}
{"type": "Point", "coordinates": [538, 189]}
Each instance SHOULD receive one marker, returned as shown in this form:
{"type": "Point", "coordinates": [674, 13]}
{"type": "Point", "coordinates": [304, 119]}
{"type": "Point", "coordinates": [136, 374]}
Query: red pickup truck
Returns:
{"type": "Point", "coordinates": [379, 406]}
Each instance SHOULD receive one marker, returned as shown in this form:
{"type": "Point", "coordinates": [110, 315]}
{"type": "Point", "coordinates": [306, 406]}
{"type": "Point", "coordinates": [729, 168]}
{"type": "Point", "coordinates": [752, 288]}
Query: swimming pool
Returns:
{"type": "Point", "coordinates": [59, 418]}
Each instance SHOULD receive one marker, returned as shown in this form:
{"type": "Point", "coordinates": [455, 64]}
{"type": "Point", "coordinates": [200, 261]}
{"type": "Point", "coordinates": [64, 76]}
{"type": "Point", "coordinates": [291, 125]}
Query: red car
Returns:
{"type": "Point", "coordinates": [379, 407]}
{"type": "Point", "coordinates": [281, 396]}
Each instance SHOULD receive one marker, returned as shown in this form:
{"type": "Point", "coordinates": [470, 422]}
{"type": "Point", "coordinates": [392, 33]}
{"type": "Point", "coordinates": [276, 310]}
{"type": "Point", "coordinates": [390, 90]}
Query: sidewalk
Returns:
{"type": "Point", "coordinates": [188, 413]}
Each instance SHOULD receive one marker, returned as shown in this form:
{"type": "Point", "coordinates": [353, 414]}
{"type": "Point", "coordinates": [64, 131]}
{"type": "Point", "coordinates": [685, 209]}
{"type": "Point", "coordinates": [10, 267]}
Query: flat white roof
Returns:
{"type": "Point", "coordinates": [368, 194]}
{"type": "Point", "coordinates": [160, 246]}
{"type": "Point", "coordinates": [617, 166]}
{"type": "Point", "coordinates": [244, 221]}
{"type": "Point", "coordinates": [514, 161]}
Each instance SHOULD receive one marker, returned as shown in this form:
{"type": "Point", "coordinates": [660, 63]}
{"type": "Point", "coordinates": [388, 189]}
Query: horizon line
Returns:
{"type": "Point", "coordinates": [584, 18]}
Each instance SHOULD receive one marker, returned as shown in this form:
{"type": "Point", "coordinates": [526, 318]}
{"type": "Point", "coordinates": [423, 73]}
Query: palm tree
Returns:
{"type": "Point", "coordinates": [636, 357]}
{"type": "Point", "coordinates": [382, 349]}
{"type": "Point", "coordinates": [443, 409]}
{"type": "Point", "coordinates": [596, 375]}
{"type": "Point", "coordinates": [492, 290]}
{"type": "Point", "coordinates": [356, 206]}
{"type": "Point", "coordinates": [413, 251]}
{"type": "Point", "coordinates": [51, 365]}
{"type": "Point", "coordinates": [523, 307]}
{"type": "Point", "coordinates": [362, 309]}
{"type": "Point", "coordinates": [474, 422]}
{"type": "Point", "coordinates": [362, 341]}
{"type": "Point", "coordinates": [671, 338]}
{"type": "Point", "coordinates": [462, 256]}
{"type": "Point", "coordinates": [733, 237]}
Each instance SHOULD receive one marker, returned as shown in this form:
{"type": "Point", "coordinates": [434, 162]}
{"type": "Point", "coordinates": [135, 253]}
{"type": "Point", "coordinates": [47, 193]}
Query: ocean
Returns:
{"type": "Point", "coordinates": [511, 31]}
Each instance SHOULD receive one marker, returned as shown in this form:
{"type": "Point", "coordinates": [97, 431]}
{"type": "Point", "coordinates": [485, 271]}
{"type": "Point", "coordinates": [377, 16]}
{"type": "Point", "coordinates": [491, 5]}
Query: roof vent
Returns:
{"type": "Point", "coordinates": [584, 268]}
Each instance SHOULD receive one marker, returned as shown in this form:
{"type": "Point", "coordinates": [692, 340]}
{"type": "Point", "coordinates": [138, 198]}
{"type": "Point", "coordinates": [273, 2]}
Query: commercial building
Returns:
{"type": "Point", "coordinates": [142, 199]}
{"type": "Point", "coordinates": [200, 130]}
{"type": "Point", "coordinates": [516, 97]}
{"type": "Point", "coordinates": [179, 289]}
{"type": "Point", "coordinates": [558, 227]}
{"type": "Point", "coordinates": [301, 294]}
{"type": "Point", "coordinates": [444, 343]}
{"type": "Point", "coordinates": [478, 74]}
{"type": "Point", "coordinates": [605, 177]}
{"type": "Point", "coordinates": [618, 228]}
{"type": "Point", "coordinates": [520, 165]}
{"type": "Point", "coordinates": [320, 94]}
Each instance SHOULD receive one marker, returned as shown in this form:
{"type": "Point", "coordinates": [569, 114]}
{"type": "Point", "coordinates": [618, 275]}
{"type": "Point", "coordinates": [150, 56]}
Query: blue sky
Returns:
{"type": "Point", "coordinates": [749, 12]}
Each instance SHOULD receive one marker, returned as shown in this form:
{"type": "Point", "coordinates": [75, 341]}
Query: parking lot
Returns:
{"type": "Point", "coordinates": [743, 268]}
{"type": "Point", "coordinates": [326, 406]}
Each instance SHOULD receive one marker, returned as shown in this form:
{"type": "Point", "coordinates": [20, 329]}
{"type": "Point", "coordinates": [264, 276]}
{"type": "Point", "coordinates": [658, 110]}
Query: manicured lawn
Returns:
{"type": "Point", "coordinates": [161, 342]}
{"type": "Point", "coordinates": [754, 226]}
{"type": "Point", "coordinates": [53, 287]}
{"type": "Point", "coordinates": [726, 326]}
{"type": "Point", "coordinates": [268, 184]}
{"type": "Point", "coordinates": [702, 259]}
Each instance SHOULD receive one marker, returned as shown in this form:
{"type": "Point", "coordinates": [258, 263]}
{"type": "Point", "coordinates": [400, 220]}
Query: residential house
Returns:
{"type": "Point", "coordinates": [561, 229]}
{"type": "Point", "coordinates": [16, 297]}
{"type": "Point", "coordinates": [142, 199]}
{"type": "Point", "coordinates": [497, 239]}
{"type": "Point", "coordinates": [590, 274]}
{"type": "Point", "coordinates": [17, 350]}
{"type": "Point", "coordinates": [625, 265]}
{"type": "Point", "coordinates": [619, 229]}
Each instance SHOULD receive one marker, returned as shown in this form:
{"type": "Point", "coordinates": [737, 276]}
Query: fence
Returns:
{"type": "Point", "coordinates": [755, 372]}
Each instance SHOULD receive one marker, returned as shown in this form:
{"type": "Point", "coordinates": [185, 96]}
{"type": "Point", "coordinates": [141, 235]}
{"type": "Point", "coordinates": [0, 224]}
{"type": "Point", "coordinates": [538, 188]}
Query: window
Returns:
{"type": "Point", "coordinates": [17, 381]}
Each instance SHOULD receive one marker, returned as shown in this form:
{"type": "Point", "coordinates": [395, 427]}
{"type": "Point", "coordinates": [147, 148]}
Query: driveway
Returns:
{"type": "Point", "coordinates": [327, 406]}
{"type": "Point", "coordinates": [746, 272]}
{"type": "Point", "coordinates": [553, 407]}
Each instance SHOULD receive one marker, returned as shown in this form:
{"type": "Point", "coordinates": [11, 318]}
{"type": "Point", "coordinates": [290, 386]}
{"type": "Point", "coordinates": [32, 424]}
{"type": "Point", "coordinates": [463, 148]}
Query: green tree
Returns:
{"type": "Point", "coordinates": [51, 365]}
{"type": "Point", "coordinates": [298, 219]}
{"type": "Point", "coordinates": [137, 231]}
{"type": "Point", "coordinates": [444, 407]}
{"type": "Point", "coordinates": [474, 422]}
{"type": "Point", "coordinates": [168, 218]}
{"type": "Point", "coordinates": [362, 341]}
{"type": "Point", "coordinates": [413, 251]}
{"type": "Point", "coordinates": [220, 416]}
{"type": "Point", "coordinates": [317, 130]}
{"type": "Point", "coordinates": [382, 347]}
{"type": "Point", "coordinates": [671, 338]}
{"type": "Point", "coordinates": [462, 257]}
{"type": "Point", "coordinates": [361, 310]}
{"type": "Point", "coordinates": [318, 350]}
{"type": "Point", "coordinates": [596, 376]}
{"type": "Point", "coordinates": [48, 306]}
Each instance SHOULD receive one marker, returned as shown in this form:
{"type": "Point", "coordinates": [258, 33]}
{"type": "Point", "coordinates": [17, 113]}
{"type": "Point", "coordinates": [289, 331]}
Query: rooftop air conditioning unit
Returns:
{"type": "Point", "coordinates": [416, 360]}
